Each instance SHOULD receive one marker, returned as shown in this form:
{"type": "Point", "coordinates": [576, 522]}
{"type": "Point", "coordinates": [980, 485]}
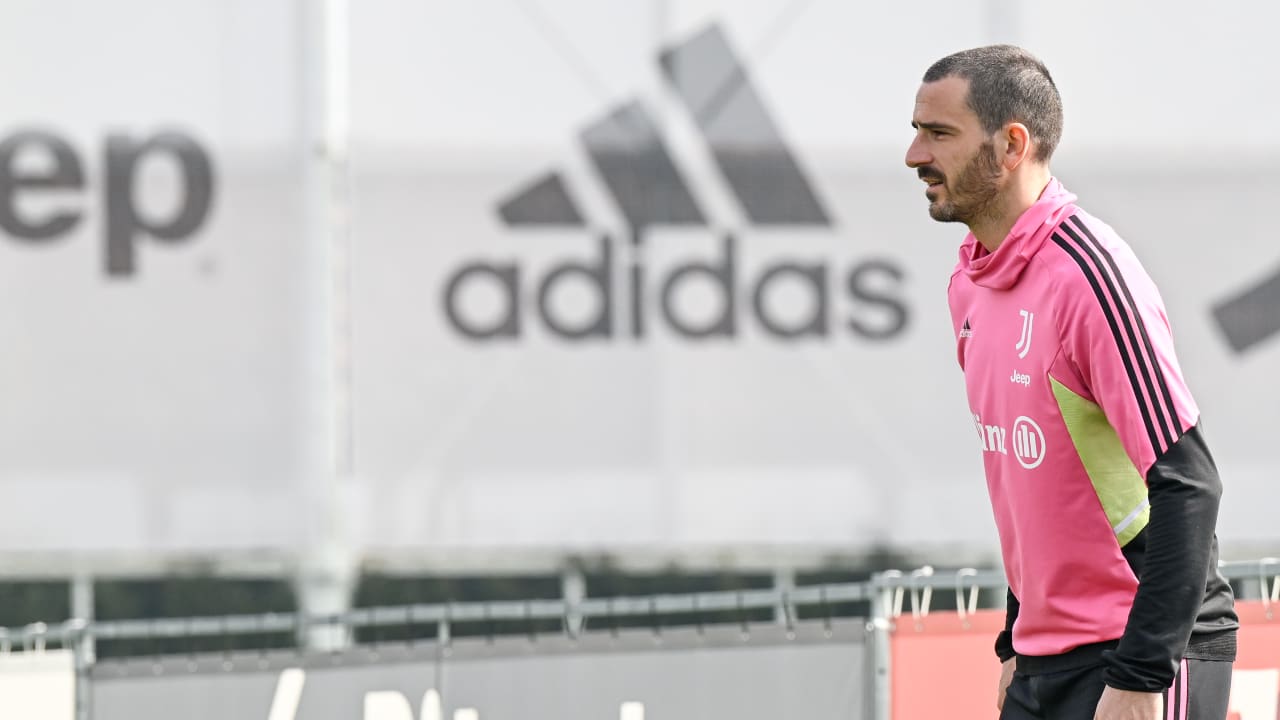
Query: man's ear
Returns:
{"type": "Point", "coordinates": [1017, 145]}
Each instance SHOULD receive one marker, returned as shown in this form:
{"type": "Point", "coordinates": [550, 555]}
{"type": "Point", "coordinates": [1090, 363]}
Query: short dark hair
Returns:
{"type": "Point", "coordinates": [1007, 84]}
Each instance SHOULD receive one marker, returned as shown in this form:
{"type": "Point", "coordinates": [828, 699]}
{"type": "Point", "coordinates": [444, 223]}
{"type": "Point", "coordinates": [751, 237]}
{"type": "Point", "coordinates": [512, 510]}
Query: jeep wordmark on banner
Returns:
{"type": "Point", "coordinates": [153, 268]}
{"type": "Point", "coordinates": [644, 282]}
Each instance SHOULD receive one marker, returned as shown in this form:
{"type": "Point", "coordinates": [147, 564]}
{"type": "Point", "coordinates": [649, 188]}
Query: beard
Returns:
{"type": "Point", "coordinates": [974, 193]}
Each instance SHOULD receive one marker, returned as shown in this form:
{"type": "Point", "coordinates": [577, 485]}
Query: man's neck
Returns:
{"type": "Point", "coordinates": [992, 230]}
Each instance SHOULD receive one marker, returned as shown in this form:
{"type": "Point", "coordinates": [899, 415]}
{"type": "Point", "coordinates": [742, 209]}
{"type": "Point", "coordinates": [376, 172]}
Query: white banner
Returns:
{"type": "Point", "coordinates": [151, 266]}
{"type": "Point", "coordinates": [647, 279]}
{"type": "Point", "coordinates": [662, 284]}
{"type": "Point", "coordinates": [39, 685]}
{"type": "Point", "coordinates": [813, 672]}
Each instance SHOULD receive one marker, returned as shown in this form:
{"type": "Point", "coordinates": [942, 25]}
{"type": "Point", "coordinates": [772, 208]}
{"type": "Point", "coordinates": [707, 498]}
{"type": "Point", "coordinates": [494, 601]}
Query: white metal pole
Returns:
{"type": "Point", "coordinates": [82, 608]}
{"type": "Point", "coordinates": [784, 581]}
{"type": "Point", "coordinates": [880, 665]}
{"type": "Point", "coordinates": [573, 588]}
{"type": "Point", "coordinates": [83, 645]}
{"type": "Point", "coordinates": [327, 561]}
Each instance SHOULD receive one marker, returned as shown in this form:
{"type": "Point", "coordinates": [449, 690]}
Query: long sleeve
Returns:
{"type": "Point", "coordinates": [1004, 640]}
{"type": "Point", "coordinates": [1184, 489]}
{"type": "Point", "coordinates": [1117, 338]}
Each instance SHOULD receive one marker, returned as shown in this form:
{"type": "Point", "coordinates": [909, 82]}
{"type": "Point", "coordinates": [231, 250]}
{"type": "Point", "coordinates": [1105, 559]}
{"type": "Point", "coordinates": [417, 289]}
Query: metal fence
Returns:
{"type": "Point", "coordinates": [886, 596]}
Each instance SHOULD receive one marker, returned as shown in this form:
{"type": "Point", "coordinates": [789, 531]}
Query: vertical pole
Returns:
{"type": "Point", "coordinates": [84, 661]}
{"type": "Point", "coordinates": [784, 581]}
{"type": "Point", "coordinates": [879, 665]}
{"type": "Point", "coordinates": [573, 589]}
{"type": "Point", "coordinates": [82, 607]}
{"type": "Point", "coordinates": [82, 647]}
{"type": "Point", "coordinates": [327, 565]}
{"type": "Point", "coordinates": [670, 431]}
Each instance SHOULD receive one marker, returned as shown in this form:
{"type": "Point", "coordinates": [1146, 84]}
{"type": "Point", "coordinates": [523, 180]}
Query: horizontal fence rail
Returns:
{"type": "Point", "coordinates": [897, 589]}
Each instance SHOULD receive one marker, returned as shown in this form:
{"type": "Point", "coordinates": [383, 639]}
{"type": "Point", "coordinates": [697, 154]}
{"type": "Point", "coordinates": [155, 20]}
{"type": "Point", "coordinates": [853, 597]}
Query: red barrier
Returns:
{"type": "Point", "coordinates": [1255, 683]}
{"type": "Point", "coordinates": [943, 667]}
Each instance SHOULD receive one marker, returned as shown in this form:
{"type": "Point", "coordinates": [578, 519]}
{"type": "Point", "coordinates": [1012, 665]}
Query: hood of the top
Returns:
{"type": "Point", "coordinates": [1001, 269]}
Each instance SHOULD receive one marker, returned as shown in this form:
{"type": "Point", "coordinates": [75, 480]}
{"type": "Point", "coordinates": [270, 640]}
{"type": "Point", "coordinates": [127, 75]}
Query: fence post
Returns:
{"type": "Point", "coordinates": [78, 636]}
{"type": "Point", "coordinates": [879, 665]}
{"type": "Point", "coordinates": [784, 582]}
{"type": "Point", "coordinates": [573, 590]}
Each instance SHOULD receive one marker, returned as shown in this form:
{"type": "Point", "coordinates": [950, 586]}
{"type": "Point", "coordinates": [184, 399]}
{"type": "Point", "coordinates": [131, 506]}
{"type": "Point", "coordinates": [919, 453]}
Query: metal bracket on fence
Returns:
{"type": "Point", "coordinates": [302, 623]}
{"type": "Point", "coordinates": [1270, 595]}
{"type": "Point", "coordinates": [966, 608]}
{"type": "Point", "coordinates": [744, 625]}
{"type": "Point", "coordinates": [224, 631]}
{"type": "Point", "coordinates": [263, 663]}
{"type": "Point", "coordinates": [528, 618]}
{"type": "Point", "coordinates": [33, 637]}
{"type": "Point", "coordinates": [72, 632]}
{"type": "Point", "coordinates": [408, 625]}
{"type": "Point", "coordinates": [788, 615]}
{"type": "Point", "coordinates": [826, 611]}
{"type": "Point", "coordinates": [920, 600]}
{"type": "Point", "coordinates": [344, 626]}
{"type": "Point", "coordinates": [892, 597]}
{"type": "Point", "coordinates": [573, 620]}
{"type": "Point", "coordinates": [612, 615]}
{"type": "Point", "coordinates": [444, 628]}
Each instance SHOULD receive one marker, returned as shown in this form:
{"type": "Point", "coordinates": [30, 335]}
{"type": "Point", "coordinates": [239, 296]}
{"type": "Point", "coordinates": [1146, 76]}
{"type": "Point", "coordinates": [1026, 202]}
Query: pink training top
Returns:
{"type": "Point", "coordinates": [1075, 392]}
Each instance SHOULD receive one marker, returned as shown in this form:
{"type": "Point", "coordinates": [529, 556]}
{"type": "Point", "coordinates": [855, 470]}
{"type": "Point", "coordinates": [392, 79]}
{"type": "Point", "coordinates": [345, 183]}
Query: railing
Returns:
{"type": "Point", "coordinates": [895, 591]}
{"type": "Point", "coordinates": [888, 595]}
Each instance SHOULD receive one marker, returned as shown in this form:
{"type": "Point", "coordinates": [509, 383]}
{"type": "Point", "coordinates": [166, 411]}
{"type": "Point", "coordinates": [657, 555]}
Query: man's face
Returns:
{"type": "Point", "coordinates": [952, 154]}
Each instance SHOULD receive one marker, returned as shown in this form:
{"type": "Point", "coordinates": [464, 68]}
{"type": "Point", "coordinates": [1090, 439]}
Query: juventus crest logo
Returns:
{"type": "Point", "coordinates": [1024, 343]}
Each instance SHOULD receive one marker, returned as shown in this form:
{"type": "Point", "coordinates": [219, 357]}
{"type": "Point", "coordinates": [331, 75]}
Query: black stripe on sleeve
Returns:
{"type": "Point", "coordinates": [1129, 318]}
{"type": "Point", "coordinates": [1174, 423]}
{"type": "Point", "coordinates": [1089, 275]}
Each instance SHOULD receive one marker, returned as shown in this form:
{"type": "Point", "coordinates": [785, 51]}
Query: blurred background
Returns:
{"type": "Point", "coordinates": [312, 305]}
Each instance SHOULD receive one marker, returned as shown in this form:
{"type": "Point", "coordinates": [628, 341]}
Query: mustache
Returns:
{"type": "Point", "coordinates": [929, 173]}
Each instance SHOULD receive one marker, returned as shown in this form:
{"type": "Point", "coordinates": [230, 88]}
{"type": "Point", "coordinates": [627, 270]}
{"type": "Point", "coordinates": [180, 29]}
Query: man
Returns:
{"type": "Point", "coordinates": [1104, 492]}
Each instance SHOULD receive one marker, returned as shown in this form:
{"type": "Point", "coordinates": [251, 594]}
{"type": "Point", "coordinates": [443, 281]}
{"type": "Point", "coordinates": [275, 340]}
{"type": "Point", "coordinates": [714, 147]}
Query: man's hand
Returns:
{"type": "Point", "coordinates": [1127, 705]}
{"type": "Point", "coordinates": [1006, 677]}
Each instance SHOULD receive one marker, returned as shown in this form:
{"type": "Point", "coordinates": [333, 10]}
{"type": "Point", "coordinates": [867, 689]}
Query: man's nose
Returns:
{"type": "Point", "coordinates": [916, 155]}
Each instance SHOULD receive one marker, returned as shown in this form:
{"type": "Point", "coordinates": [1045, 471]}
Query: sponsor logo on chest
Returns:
{"type": "Point", "coordinates": [1025, 438]}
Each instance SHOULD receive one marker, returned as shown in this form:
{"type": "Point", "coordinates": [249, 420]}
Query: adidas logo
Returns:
{"type": "Point", "coordinates": [642, 177]}
{"type": "Point", "coordinates": [966, 331]}
{"type": "Point", "coordinates": [639, 173]}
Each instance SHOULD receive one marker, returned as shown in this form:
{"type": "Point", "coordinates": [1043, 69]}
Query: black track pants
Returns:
{"type": "Point", "coordinates": [1199, 692]}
